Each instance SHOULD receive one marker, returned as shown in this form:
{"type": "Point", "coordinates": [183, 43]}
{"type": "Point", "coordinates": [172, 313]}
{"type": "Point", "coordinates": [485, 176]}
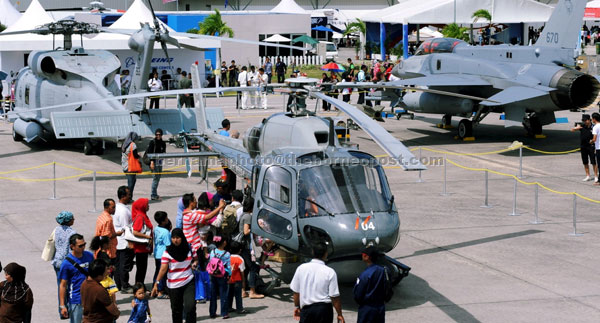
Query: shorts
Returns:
{"type": "Point", "coordinates": [588, 153]}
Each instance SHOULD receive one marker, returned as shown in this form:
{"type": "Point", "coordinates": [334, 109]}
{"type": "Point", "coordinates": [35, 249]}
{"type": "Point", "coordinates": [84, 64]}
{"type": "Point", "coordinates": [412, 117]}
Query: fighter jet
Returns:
{"type": "Point", "coordinates": [526, 83]}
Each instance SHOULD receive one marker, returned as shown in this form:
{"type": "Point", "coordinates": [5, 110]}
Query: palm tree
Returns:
{"type": "Point", "coordinates": [360, 27]}
{"type": "Point", "coordinates": [213, 25]}
{"type": "Point", "coordinates": [481, 14]}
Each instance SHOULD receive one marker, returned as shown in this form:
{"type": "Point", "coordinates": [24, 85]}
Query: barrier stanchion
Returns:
{"type": "Point", "coordinates": [514, 210]}
{"type": "Point", "coordinates": [420, 180]}
{"type": "Point", "coordinates": [575, 233]}
{"type": "Point", "coordinates": [486, 203]}
{"type": "Point", "coordinates": [444, 191]}
{"type": "Point", "coordinates": [94, 210]}
{"type": "Point", "coordinates": [536, 207]}
{"type": "Point", "coordinates": [53, 182]}
{"type": "Point", "coordinates": [521, 161]}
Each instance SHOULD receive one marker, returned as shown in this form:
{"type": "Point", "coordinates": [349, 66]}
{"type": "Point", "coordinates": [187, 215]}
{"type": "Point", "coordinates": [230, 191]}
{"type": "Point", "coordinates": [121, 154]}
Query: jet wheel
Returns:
{"type": "Point", "coordinates": [15, 135]}
{"type": "Point", "coordinates": [465, 128]}
{"type": "Point", "coordinates": [447, 120]}
{"type": "Point", "coordinates": [88, 148]}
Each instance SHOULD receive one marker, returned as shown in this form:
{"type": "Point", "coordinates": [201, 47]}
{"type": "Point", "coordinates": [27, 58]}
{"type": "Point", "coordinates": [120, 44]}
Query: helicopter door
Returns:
{"type": "Point", "coordinates": [274, 214]}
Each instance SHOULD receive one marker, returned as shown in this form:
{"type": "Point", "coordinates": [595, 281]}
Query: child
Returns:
{"type": "Point", "coordinates": [140, 305]}
{"type": "Point", "coordinates": [235, 281]}
{"type": "Point", "coordinates": [162, 239]}
{"type": "Point", "coordinates": [99, 246]}
{"type": "Point", "coordinates": [219, 284]}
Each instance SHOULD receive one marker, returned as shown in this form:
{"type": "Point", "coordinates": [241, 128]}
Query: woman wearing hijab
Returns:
{"type": "Point", "coordinates": [142, 228]}
{"type": "Point", "coordinates": [16, 298]}
{"type": "Point", "coordinates": [129, 147]}
{"type": "Point", "coordinates": [62, 233]}
{"type": "Point", "coordinates": [177, 263]}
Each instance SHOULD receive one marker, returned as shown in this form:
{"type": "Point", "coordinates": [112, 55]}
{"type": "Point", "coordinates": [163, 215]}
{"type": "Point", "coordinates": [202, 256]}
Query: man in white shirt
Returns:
{"type": "Point", "coordinates": [315, 288]}
{"type": "Point", "coordinates": [121, 220]}
{"type": "Point", "coordinates": [154, 85]}
{"type": "Point", "coordinates": [243, 81]}
{"type": "Point", "coordinates": [596, 139]}
{"type": "Point", "coordinates": [254, 81]}
{"type": "Point", "coordinates": [263, 80]}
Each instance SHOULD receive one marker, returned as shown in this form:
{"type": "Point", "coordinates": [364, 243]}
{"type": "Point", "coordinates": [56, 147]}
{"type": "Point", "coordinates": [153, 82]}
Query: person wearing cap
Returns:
{"type": "Point", "coordinates": [156, 146]}
{"type": "Point", "coordinates": [369, 290]}
{"type": "Point", "coordinates": [587, 149]}
{"type": "Point", "coordinates": [316, 289]}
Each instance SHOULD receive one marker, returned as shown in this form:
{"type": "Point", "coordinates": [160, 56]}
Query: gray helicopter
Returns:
{"type": "Point", "coordinates": [61, 93]}
{"type": "Point", "coordinates": [526, 83]}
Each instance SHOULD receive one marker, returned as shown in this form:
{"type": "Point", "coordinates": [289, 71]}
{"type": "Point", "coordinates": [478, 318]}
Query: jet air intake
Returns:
{"type": "Point", "coordinates": [574, 89]}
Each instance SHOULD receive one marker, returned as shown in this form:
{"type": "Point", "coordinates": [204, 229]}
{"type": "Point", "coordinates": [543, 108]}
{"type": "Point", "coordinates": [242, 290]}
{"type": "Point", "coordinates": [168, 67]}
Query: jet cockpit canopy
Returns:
{"type": "Point", "coordinates": [438, 45]}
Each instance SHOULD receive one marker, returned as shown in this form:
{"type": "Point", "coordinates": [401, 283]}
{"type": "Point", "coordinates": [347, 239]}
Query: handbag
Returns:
{"type": "Point", "coordinates": [145, 158]}
{"type": "Point", "coordinates": [128, 235]}
{"type": "Point", "coordinates": [49, 248]}
{"type": "Point", "coordinates": [133, 164]}
{"type": "Point", "coordinates": [239, 238]}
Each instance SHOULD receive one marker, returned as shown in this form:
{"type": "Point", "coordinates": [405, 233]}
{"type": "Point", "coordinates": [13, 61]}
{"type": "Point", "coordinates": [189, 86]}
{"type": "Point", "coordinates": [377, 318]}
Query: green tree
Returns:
{"type": "Point", "coordinates": [481, 14]}
{"type": "Point", "coordinates": [360, 27]}
{"type": "Point", "coordinates": [455, 31]}
{"type": "Point", "coordinates": [213, 25]}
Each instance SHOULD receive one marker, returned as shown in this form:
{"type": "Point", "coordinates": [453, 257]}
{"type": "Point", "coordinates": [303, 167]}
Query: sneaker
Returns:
{"type": "Point", "coordinates": [587, 178]}
{"type": "Point", "coordinates": [596, 179]}
{"type": "Point", "coordinates": [127, 290]}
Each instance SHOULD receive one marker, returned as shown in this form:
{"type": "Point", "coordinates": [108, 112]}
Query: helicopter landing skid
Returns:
{"type": "Point", "coordinates": [275, 280]}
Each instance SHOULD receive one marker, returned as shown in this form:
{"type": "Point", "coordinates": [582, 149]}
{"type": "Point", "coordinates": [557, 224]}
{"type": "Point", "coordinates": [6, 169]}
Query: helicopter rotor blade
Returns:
{"type": "Point", "coordinates": [39, 31]}
{"type": "Point", "coordinates": [382, 137]}
{"type": "Point", "coordinates": [233, 40]}
{"type": "Point", "coordinates": [137, 95]}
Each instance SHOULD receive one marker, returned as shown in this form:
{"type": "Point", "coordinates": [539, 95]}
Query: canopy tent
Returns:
{"type": "Point", "coordinates": [288, 6]}
{"type": "Point", "coordinates": [277, 38]}
{"type": "Point", "coordinates": [592, 10]}
{"type": "Point", "coordinates": [8, 14]}
{"type": "Point", "coordinates": [424, 33]}
{"type": "Point", "coordinates": [305, 39]}
{"type": "Point", "coordinates": [323, 28]}
{"type": "Point", "coordinates": [442, 12]}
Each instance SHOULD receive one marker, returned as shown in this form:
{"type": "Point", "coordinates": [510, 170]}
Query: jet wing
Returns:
{"type": "Point", "coordinates": [514, 94]}
{"type": "Point", "coordinates": [390, 145]}
{"type": "Point", "coordinates": [441, 80]}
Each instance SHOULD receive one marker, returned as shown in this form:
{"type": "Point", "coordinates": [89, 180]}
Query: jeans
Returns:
{"type": "Point", "coordinates": [155, 179]}
{"type": "Point", "coordinates": [162, 283]}
{"type": "Point", "coordinates": [131, 178]}
{"type": "Point", "coordinates": [280, 78]}
{"type": "Point", "coordinates": [141, 264]}
{"type": "Point", "coordinates": [75, 313]}
{"type": "Point", "coordinates": [154, 102]}
{"type": "Point", "coordinates": [183, 302]}
{"type": "Point", "coordinates": [235, 289]}
{"type": "Point", "coordinates": [219, 286]}
{"type": "Point", "coordinates": [269, 75]}
{"type": "Point", "coordinates": [124, 266]}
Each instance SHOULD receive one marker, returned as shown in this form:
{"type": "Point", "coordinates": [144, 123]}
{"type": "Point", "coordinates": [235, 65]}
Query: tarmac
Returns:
{"type": "Point", "coordinates": [469, 264]}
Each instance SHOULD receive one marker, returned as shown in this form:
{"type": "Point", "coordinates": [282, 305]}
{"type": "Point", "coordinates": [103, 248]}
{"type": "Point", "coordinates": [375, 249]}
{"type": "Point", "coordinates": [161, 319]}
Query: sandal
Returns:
{"type": "Point", "coordinates": [163, 296]}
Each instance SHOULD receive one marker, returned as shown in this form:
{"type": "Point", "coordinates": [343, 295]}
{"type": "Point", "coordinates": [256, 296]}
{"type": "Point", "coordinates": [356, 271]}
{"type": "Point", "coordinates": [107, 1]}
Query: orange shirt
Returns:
{"type": "Point", "coordinates": [105, 227]}
{"type": "Point", "coordinates": [237, 267]}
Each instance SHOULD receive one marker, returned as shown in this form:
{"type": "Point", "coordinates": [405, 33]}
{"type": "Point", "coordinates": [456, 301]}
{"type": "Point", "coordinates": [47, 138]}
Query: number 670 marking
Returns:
{"type": "Point", "coordinates": [552, 37]}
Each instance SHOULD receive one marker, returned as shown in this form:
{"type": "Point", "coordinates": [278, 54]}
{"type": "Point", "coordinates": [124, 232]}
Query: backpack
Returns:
{"type": "Point", "coordinates": [229, 224]}
{"type": "Point", "coordinates": [215, 266]}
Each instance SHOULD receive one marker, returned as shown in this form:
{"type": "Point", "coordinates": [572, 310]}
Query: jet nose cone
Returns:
{"type": "Point", "coordinates": [396, 70]}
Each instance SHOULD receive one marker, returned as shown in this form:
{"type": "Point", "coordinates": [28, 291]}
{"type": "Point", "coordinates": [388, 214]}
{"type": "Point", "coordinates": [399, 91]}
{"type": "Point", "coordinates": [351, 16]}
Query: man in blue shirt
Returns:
{"type": "Point", "coordinates": [226, 125]}
{"type": "Point", "coordinates": [268, 67]}
{"type": "Point", "coordinates": [73, 272]}
{"type": "Point", "coordinates": [369, 291]}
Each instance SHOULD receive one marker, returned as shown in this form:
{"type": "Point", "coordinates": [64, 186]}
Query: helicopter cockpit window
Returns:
{"type": "Point", "coordinates": [276, 188]}
{"type": "Point", "coordinates": [274, 224]}
{"type": "Point", "coordinates": [27, 95]}
{"type": "Point", "coordinates": [438, 45]}
{"type": "Point", "coordinates": [342, 188]}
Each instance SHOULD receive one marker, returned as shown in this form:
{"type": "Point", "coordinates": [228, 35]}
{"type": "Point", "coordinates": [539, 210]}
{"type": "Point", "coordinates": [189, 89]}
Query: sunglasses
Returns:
{"type": "Point", "coordinates": [158, 134]}
{"type": "Point", "coordinates": [81, 245]}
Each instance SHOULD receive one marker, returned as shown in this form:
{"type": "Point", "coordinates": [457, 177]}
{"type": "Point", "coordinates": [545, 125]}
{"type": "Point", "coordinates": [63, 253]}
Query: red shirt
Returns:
{"type": "Point", "coordinates": [237, 267]}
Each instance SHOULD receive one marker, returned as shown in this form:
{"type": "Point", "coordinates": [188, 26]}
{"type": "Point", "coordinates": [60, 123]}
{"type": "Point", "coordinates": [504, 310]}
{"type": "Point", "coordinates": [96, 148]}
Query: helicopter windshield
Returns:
{"type": "Point", "coordinates": [336, 189]}
{"type": "Point", "coordinates": [438, 45]}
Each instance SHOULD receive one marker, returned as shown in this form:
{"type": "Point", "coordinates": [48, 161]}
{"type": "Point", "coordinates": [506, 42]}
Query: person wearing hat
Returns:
{"type": "Point", "coordinates": [156, 146]}
{"type": "Point", "coordinates": [587, 149]}
{"type": "Point", "coordinates": [62, 233]}
{"type": "Point", "coordinates": [16, 298]}
{"type": "Point", "coordinates": [369, 290]}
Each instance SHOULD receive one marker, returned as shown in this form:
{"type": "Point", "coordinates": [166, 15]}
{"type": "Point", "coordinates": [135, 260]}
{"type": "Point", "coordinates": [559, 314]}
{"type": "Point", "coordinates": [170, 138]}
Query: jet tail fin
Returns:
{"type": "Point", "coordinates": [563, 27]}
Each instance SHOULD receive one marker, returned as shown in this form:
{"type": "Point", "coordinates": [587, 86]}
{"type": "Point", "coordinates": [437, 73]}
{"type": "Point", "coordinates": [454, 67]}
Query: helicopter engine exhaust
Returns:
{"type": "Point", "coordinates": [575, 89]}
{"type": "Point", "coordinates": [30, 131]}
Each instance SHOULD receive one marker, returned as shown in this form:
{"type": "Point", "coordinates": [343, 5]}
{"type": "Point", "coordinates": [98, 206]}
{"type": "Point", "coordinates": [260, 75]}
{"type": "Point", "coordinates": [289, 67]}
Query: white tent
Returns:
{"type": "Point", "coordinates": [442, 12]}
{"type": "Point", "coordinates": [277, 38]}
{"type": "Point", "coordinates": [424, 33]}
{"type": "Point", "coordinates": [592, 10]}
{"type": "Point", "coordinates": [34, 16]}
{"type": "Point", "coordinates": [288, 6]}
{"type": "Point", "coordinates": [8, 14]}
